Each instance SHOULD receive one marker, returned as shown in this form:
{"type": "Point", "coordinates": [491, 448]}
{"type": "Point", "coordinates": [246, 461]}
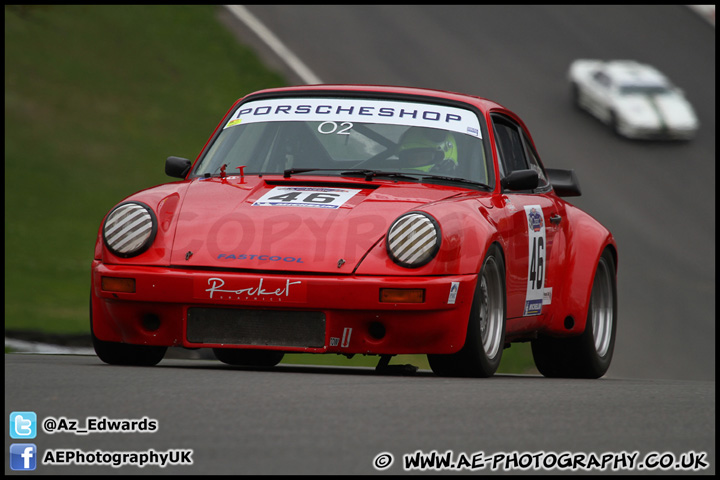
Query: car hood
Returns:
{"type": "Point", "coordinates": [657, 110]}
{"type": "Point", "coordinates": [298, 224]}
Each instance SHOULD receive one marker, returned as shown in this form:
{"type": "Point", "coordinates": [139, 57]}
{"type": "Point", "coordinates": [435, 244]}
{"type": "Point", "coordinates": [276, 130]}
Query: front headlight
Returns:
{"type": "Point", "coordinates": [129, 229]}
{"type": "Point", "coordinates": [413, 239]}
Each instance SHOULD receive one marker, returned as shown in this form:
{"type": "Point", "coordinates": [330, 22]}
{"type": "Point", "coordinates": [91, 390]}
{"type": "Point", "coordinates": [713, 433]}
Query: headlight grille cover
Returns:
{"type": "Point", "coordinates": [413, 239]}
{"type": "Point", "coordinates": [130, 229]}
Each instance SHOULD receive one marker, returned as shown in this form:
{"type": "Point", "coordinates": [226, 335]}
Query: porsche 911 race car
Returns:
{"type": "Point", "coordinates": [359, 220]}
{"type": "Point", "coordinates": [634, 99]}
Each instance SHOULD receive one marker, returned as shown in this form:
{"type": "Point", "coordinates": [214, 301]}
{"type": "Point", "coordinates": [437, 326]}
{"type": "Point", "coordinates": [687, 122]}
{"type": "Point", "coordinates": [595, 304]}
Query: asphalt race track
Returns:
{"type": "Point", "coordinates": [332, 420]}
{"type": "Point", "coordinates": [655, 407]}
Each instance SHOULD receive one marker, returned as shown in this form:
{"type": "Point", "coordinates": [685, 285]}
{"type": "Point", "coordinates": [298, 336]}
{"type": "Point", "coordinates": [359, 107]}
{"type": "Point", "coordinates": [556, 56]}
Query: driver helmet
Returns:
{"type": "Point", "coordinates": [422, 148]}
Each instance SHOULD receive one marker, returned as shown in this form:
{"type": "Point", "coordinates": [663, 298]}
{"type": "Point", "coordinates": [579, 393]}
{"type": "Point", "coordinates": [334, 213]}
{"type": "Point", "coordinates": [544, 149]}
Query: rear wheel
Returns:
{"type": "Point", "coordinates": [484, 343]}
{"type": "Point", "coordinates": [588, 355]}
{"type": "Point", "coordinates": [251, 358]}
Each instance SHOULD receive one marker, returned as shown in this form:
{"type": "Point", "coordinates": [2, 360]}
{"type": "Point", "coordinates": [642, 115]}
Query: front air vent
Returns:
{"type": "Point", "coordinates": [301, 183]}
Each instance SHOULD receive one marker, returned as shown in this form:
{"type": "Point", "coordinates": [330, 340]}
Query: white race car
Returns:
{"type": "Point", "coordinates": [635, 99]}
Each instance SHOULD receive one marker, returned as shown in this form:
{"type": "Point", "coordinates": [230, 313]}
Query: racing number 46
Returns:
{"type": "Point", "coordinates": [537, 260]}
{"type": "Point", "coordinates": [307, 197]}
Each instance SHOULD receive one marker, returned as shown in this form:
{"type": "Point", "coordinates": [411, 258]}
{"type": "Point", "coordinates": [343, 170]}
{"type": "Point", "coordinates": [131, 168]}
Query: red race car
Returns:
{"type": "Point", "coordinates": [359, 220]}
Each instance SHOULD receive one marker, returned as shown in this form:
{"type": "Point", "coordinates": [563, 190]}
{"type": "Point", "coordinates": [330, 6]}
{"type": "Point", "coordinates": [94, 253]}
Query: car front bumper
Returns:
{"type": "Point", "coordinates": [292, 313]}
{"type": "Point", "coordinates": [661, 132]}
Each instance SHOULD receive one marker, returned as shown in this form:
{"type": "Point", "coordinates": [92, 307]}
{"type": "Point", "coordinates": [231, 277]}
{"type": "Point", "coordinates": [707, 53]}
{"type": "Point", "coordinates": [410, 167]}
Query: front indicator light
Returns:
{"type": "Point", "coordinates": [402, 295]}
{"type": "Point", "coordinates": [117, 284]}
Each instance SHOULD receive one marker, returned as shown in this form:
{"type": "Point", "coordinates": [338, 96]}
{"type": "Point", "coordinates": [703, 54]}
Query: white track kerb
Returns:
{"type": "Point", "coordinates": [244, 15]}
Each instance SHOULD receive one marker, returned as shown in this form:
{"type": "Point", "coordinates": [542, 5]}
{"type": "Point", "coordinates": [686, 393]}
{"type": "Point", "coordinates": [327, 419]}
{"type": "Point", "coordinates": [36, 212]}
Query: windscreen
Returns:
{"type": "Point", "coordinates": [340, 136]}
{"type": "Point", "coordinates": [644, 90]}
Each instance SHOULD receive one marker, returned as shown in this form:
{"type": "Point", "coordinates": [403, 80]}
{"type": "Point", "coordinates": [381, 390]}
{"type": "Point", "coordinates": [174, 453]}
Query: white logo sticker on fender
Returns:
{"type": "Point", "coordinates": [314, 197]}
{"type": "Point", "coordinates": [347, 332]}
{"type": "Point", "coordinates": [454, 287]}
{"type": "Point", "coordinates": [547, 296]}
{"type": "Point", "coordinates": [536, 260]}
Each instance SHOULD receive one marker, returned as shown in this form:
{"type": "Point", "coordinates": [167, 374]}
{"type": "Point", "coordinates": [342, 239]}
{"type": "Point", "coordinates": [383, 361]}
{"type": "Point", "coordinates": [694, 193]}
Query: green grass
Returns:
{"type": "Point", "coordinates": [516, 359]}
{"type": "Point", "coordinates": [96, 97]}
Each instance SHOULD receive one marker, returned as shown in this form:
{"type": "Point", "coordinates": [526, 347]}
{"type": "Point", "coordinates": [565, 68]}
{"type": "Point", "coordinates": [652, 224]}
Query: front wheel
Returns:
{"type": "Point", "coordinates": [588, 355]}
{"type": "Point", "coordinates": [115, 353]}
{"type": "Point", "coordinates": [484, 343]}
{"type": "Point", "coordinates": [575, 96]}
{"type": "Point", "coordinates": [617, 126]}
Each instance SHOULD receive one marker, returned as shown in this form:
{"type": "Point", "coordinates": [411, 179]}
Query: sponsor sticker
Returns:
{"type": "Point", "coordinates": [345, 342]}
{"type": "Point", "coordinates": [534, 296]}
{"type": "Point", "coordinates": [266, 290]}
{"type": "Point", "coordinates": [311, 197]}
{"type": "Point", "coordinates": [347, 333]}
{"type": "Point", "coordinates": [454, 287]}
{"type": "Point", "coordinates": [357, 111]}
{"type": "Point", "coordinates": [547, 296]}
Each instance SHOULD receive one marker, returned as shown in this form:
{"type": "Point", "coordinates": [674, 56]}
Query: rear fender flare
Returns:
{"type": "Point", "coordinates": [585, 244]}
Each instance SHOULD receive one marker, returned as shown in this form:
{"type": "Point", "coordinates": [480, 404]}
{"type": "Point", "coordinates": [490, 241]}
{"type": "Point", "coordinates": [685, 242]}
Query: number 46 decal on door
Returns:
{"type": "Point", "coordinates": [536, 260]}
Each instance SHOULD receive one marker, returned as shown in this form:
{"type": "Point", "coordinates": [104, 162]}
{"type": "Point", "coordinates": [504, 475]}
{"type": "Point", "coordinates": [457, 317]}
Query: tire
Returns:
{"type": "Point", "coordinates": [114, 353]}
{"type": "Point", "coordinates": [588, 355]}
{"type": "Point", "coordinates": [615, 125]}
{"type": "Point", "coordinates": [250, 358]}
{"type": "Point", "coordinates": [575, 96]}
{"type": "Point", "coordinates": [485, 340]}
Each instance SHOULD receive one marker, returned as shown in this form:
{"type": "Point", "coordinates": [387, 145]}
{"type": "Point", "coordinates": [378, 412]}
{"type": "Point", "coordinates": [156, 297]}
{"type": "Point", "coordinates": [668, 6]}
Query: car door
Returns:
{"type": "Point", "coordinates": [533, 219]}
{"type": "Point", "coordinates": [598, 94]}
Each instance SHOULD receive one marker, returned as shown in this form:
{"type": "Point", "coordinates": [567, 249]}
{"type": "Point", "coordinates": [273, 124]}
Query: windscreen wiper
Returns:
{"type": "Point", "coordinates": [369, 174]}
{"type": "Point", "coordinates": [457, 179]}
{"type": "Point", "coordinates": [288, 172]}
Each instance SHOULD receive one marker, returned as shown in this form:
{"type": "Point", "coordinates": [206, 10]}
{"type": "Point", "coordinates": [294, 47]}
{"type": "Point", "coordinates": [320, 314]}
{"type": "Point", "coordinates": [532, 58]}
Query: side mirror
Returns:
{"type": "Point", "coordinates": [521, 180]}
{"type": "Point", "coordinates": [564, 182]}
{"type": "Point", "coordinates": [177, 167]}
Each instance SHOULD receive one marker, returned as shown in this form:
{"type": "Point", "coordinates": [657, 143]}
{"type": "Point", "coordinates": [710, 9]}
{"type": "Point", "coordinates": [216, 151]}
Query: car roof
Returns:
{"type": "Point", "coordinates": [629, 72]}
{"type": "Point", "coordinates": [483, 103]}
